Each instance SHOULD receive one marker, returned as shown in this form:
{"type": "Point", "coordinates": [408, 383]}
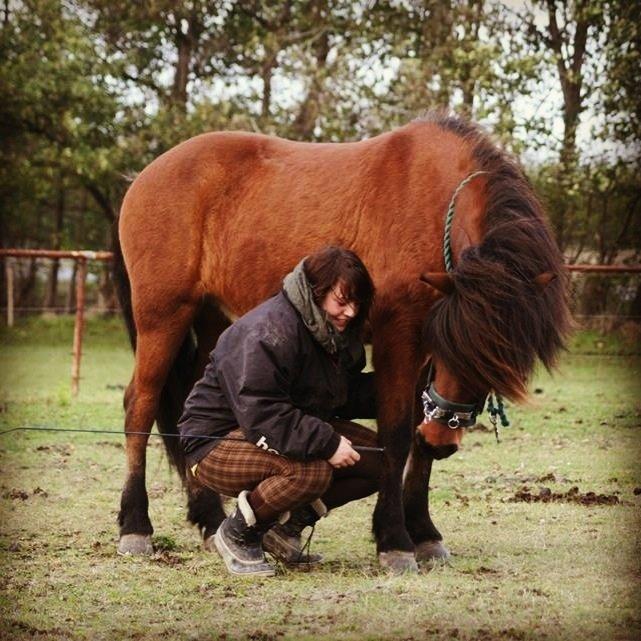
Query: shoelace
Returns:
{"type": "Point", "coordinates": [306, 549]}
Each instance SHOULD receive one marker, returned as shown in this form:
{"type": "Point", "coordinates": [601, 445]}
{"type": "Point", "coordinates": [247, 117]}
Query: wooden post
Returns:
{"type": "Point", "coordinates": [81, 277]}
{"type": "Point", "coordinates": [9, 271]}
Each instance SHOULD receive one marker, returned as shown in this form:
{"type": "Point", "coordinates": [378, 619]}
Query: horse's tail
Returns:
{"type": "Point", "coordinates": [176, 388]}
{"type": "Point", "coordinates": [121, 282]}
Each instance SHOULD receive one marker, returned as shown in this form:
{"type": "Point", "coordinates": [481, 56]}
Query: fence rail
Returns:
{"type": "Point", "coordinates": [604, 269]}
{"type": "Point", "coordinates": [54, 253]}
{"type": "Point", "coordinates": [81, 257]}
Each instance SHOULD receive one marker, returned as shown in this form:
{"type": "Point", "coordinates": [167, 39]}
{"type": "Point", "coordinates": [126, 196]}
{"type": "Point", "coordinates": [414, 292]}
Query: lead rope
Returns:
{"type": "Point", "coordinates": [449, 218]}
{"type": "Point", "coordinates": [497, 411]}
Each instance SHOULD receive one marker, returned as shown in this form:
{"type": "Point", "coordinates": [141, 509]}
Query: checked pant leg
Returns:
{"type": "Point", "coordinates": [276, 484]}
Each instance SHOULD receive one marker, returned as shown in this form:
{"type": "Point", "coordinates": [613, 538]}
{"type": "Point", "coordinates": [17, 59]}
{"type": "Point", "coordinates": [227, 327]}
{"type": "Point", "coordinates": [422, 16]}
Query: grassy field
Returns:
{"type": "Point", "coordinates": [532, 558]}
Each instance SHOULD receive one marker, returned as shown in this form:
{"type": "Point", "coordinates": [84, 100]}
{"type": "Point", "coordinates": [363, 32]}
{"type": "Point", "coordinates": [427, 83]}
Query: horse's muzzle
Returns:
{"type": "Point", "coordinates": [437, 440]}
{"type": "Point", "coordinates": [439, 451]}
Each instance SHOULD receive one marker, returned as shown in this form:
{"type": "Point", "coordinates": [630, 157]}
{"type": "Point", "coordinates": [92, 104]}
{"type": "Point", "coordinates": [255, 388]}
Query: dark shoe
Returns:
{"type": "Point", "coordinates": [238, 541]}
{"type": "Point", "coordinates": [283, 542]}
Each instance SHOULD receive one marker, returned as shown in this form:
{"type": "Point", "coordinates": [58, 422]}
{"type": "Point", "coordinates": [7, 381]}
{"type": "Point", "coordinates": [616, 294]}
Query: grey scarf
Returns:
{"type": "Point", "coordinates": [299, 292]}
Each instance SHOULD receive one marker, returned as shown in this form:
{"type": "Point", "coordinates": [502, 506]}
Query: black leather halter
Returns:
{"type": "Point", "coordinates": [450, 413]}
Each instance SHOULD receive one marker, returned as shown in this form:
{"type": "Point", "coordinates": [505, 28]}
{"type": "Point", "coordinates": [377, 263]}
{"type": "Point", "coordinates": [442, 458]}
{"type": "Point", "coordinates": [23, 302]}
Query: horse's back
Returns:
{"type": "Point", "coordinates": [233, 211]}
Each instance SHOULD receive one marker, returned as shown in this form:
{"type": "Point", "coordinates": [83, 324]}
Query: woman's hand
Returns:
{"type": "Point", "coordinates": [344, 455]}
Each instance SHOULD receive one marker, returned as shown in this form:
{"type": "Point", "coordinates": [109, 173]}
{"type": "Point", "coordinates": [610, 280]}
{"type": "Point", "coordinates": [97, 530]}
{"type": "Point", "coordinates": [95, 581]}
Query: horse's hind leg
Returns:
{"type": "Point", "coordinates": [205, 508]}
{"type": "Point", "coordinates": [157, 345]}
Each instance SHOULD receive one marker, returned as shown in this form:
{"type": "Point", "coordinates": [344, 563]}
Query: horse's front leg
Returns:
{"type": "Point", "coordinates": [395, 350]}
{"type": "Point", "coordinates": [393, 543]}
{"type": "Point", "coordinates": [423, 532]}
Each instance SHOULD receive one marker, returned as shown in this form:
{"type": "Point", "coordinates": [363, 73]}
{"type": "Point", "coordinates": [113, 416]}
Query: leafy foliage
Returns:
{"type": "Point", "coordinates": [95, 89]}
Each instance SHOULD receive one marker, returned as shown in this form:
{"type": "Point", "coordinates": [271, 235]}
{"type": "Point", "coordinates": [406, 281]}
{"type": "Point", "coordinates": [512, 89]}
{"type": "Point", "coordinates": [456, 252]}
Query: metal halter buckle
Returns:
{"type": "Point", "coordinates": [454, 415]}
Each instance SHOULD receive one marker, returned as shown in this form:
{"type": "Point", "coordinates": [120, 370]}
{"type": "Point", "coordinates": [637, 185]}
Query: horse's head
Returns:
{"type": "Point", "coordinates": [448, 408]}
{"type": "Point", "coordinates": [484, 334]}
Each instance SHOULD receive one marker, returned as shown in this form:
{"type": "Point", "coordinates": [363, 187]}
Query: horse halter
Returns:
{"type": "Point", "coordinates": [450, 413]}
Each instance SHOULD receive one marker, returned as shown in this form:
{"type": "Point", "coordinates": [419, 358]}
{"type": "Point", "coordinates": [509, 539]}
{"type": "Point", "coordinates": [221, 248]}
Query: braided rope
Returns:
{"type": "Point", "coordinates": [447, 247]}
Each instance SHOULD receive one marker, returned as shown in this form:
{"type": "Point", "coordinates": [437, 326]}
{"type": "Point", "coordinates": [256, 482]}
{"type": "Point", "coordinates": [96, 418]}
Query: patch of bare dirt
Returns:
{"type": "Point", "coordinates": [166, 558]}
{"type": "Point", "coordinates": [64, 449]}
{"type": "Point", "coordinates": [573, 495]}
{"type": "Point", "coordinates": [117, 444]}
{"type": "Point", "coordinates": [15, 493]}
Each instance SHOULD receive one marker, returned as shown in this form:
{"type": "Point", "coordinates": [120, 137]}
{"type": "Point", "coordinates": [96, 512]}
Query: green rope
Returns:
{"type": "Point", "coordinates": [447, 247]}
{"type": "Point", "coordinates": [496, 411]}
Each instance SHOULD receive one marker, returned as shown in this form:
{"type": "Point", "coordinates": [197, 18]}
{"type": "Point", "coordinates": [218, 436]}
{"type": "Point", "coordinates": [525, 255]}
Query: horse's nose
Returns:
{"type": "Point", "coordinates": [439, 440]}
{"type": "Point", "coordinates": [440, 451]}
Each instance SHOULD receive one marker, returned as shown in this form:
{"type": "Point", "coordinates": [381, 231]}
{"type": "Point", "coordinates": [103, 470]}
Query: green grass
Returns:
{"type": "Point", "coordinates": [518, 571]}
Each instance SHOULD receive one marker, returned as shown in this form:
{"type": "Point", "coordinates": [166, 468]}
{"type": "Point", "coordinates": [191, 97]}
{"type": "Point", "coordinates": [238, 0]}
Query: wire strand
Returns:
{"type": "Point", "coordinates": [361, 448]}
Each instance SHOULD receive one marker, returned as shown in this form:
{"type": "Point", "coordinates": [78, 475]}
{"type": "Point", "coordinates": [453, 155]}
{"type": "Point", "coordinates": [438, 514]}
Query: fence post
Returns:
{"type": "Point", "coordinates": [9, 272]}
{"type": "Point", "coordinates": [81, 276]}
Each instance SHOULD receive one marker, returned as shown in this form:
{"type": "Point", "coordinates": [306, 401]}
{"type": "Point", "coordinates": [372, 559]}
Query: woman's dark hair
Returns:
{"type": "Point", "coordinates": [326, 267]}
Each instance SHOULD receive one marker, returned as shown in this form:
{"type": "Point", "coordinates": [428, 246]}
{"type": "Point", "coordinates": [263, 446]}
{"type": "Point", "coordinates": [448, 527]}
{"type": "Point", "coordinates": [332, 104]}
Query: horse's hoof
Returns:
{"type": "Point", "coordinates": [135, 545]}
{"type": "Point", "coordinates": [208, 544]}
{"type": "Point", "coordinates": [398, 561]}
{"type": "Point", "coordinates": [432, 551]}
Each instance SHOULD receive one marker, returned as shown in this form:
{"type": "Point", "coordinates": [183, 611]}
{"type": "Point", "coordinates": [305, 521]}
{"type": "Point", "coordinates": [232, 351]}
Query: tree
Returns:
{"type": "Point", "coordinates": [570, 37]}
{"type": "Point", "coordinates": [59, 111]}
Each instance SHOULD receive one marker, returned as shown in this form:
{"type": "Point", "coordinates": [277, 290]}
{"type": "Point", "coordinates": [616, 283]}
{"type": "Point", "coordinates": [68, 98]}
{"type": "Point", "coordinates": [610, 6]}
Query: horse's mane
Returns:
{"type": "Point", "coordinates": [495, 324]}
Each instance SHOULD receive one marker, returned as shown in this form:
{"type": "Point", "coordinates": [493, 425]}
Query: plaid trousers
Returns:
{"type": "Point", "coordinates": [277, 484]}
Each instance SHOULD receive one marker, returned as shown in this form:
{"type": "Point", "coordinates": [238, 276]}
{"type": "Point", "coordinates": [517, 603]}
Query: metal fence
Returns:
{"type": "Point", "coordinates": [81, 259]}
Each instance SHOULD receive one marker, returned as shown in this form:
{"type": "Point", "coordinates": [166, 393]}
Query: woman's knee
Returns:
{"type": "Point", "coordinates": [313, 478]}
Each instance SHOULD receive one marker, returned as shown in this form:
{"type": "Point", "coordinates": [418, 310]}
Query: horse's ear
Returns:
{"type": "Point", "coordinates": [543, 280]}
{"type": "Point", "coordinates": [440, 281]}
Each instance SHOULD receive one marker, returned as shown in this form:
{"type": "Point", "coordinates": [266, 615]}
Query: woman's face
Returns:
{"type": "Point", "coordinates": [340, 311]}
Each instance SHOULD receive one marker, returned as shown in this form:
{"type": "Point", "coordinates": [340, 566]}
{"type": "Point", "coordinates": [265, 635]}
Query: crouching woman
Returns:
{"type": "Point", "coordinates": [277, 389]}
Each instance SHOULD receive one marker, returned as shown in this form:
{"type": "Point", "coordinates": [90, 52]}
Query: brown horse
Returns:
{"type": "Point", "coordinates": [208, 230]}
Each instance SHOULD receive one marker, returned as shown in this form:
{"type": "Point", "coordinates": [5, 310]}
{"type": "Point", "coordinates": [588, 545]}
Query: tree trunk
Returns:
{"type": "Point", "coordinates": [571, 80]}
{"type": "Point", "coordinates": [107, 302]}
{"type": "Point", "coordinates": [181, 72]}
{"type": "Point", "coordinates": [473, 18]}
{"type": "Point", "coordinates": [27, 285]}
{"type": "Point", "coordinates": [102, 200]}
{"type": "Point", "coordinates": [266, 75]}
{"type": "Point", "coordinates": [51, 292]}
{"type": "Point", "coordinates": [305, 121]}
{"type": "Point", "coordinates": [635, 306]}
{"type": "Point", "coordinates": [186, 41]}
{"type": "Point", "coordinates": [70, 305]}
{"type": "Point", "coordinates": [439, 28]}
